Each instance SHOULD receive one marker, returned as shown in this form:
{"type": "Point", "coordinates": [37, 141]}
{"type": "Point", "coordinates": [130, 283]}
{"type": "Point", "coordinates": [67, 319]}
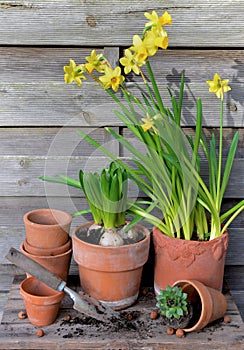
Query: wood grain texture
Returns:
{"type": "Point", "coordinates": [20, 175]}
{"type": "Point", "coordinates": [74, 22]}
{"type": "Point", "coordinates": [20, 334]}
{"type": "Point", "coordinates": [36, 94]}
{"type": "Point", "coordinates": [44, 141]}
{"type": "Point", "coordinates": [14, 208]}
{"type": "Point", "coordinates": [38, 38]}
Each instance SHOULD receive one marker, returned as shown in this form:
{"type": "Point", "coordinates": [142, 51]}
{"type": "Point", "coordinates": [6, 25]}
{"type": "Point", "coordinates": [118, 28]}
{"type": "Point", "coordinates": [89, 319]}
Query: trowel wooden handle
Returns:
{"type": "Point", "coordinates": [35, 269]}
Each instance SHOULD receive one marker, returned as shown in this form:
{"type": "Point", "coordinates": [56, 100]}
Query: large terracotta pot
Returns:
{"type": "Point", "coordinates": [178, 259]}
{"type": "Point", "coordinates": [111, 274]}
{"type": "Point", "coordinates": [58, 264]}
{"type": "Point", "coordinates": [47, 228]}
{"type": "Point", "coordinates": [42, 302]}
{"type": "Point", "coordinates": [211, 303]}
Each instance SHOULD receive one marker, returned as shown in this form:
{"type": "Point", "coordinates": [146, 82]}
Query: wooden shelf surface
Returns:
{"type": "Point", "coordinates": [82, 333]}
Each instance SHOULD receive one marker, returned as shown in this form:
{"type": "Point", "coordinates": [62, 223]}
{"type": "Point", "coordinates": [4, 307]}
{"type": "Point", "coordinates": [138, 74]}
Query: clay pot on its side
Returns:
{"type": "Point", "coordinates": [111, 274]}
{"type": "Point", "coordinates": [42, 303]}
{"type": "Point", "coordinates": [47, 228]}
{"type": "Point", "coordinates": [58, 264]}
{"type": "Point", "coordinates": [178, 259]}
{"type": "Point", "coordinates": [211, 303]}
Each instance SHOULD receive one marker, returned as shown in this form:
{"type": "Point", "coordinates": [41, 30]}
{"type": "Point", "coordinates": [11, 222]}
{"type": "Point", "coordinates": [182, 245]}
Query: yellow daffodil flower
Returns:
{"type": "Point", "coordinates": [128, 61]}
{"type": "Point", "coordinates": [149, 42]}
{"type": "Point", "coordinates": [165, 19]}
{"type": "Point", "coordinates": [148, 124]}
{"type": "Point", "coordinates": [218, 86]}
{"type": "Point", "coordinates": [74, 73]}
{"type": "Point", "coordinates": [140, 50]}
{"type": "Point", "coordinates": [95, 62]}
{"type": "Point", "coordinates": [154, 39]}
{"type": "Point", "coordinates": [156, 21]}
{"type": "Point", "coordinates": [112, 78]}
{"type": "Point", "coordinates": [162, 40]}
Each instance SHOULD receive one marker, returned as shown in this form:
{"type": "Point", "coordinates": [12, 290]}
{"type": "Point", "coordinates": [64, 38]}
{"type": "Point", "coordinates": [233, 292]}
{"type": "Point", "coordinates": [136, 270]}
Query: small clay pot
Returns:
{"type": "Point", "coordinates": [47, 251]}
{"type": "Point", "coordinates": [47, 228]}
{"type": "Point", "coordinates": [209, 304]}
{"type": "Point", "coordinates": [58, 264]}
{"type": "Point", "coordinates": [42, 302]}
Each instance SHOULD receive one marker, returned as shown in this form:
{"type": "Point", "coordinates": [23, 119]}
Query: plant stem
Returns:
{"type": "Point", "coordinates": [218, 199]}
{"type": "Point", "coordinates": [155, 88]}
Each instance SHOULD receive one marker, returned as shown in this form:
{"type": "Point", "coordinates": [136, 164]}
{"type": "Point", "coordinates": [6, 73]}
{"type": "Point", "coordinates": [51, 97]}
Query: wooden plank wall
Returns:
{"type": "Point", "coordinates": [39, 114]}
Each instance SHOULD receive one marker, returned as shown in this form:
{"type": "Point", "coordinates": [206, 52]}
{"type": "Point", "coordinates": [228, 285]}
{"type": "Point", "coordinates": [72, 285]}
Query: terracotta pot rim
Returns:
{"type": "Point", "coordinates": [44, 256]}
{"type": "Point", "coordinates": [55, 295]}
{"type": "Point", "coordinates": [67, 218]}
{"type": "Point", "coordinates": [156, 229]}
{"type": "Point", "coordinates": [48, 251]}
{"type": "Point", "coordinates": [125, 246]}
{"type": "Point", "coordinates": [204, 294]}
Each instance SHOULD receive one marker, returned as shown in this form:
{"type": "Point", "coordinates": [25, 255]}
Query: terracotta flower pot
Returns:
{"type": "Point", "coordinates": [58, 264]}
{"type": "Point", "coordinates": [178, 259]}
{"type": "Point", "coordinates": [111, 274]}
{"type": "Point", "coordinates": [47, 251]}
{"type": "Point", "coordinates": [47, 228]}
{"type": "Point", "coordinates": [212, 303]}
{"type": "Point", "coordinates": [42, 303]}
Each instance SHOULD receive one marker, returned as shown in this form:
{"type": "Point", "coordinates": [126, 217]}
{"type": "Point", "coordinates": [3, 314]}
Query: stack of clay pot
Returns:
{"type": "Point", "coordinates": [47, 242]}
{"type": "Point", "coordinates": [47, 239]}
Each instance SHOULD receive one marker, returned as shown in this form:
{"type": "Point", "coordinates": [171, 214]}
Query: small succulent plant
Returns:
{"type": "Point", "coordinates": [172, 302]}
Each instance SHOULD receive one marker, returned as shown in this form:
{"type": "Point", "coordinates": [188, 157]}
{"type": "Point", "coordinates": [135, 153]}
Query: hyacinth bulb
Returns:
{"type": "Point", "coordinates": [111, 238]}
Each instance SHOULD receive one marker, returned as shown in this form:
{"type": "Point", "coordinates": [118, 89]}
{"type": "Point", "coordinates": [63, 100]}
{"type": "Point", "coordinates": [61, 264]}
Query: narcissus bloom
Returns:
{"type": "Point", "coordinates": [128, 61]}
{"type": "Point", "coordinates": [140, 50]}
{"type": "Point", "coordinates": [154, 39]}
{"type": "Point", "coordinates": [156, 21]}
{"type": "Point", "coordinates": [112, 78]}
{"type": "Point", "coordinates": [95, 62]}
{"type": "Point", "coordinates": [218, 86]}
{"type": "Point", "coordinates": [162, 40]}
{"type": "Point", "coordinates": [148, 124]}
{"type": "Point", "coordinates": [149, 42]}
{"type": "Point", "coordinates": [74, 73]}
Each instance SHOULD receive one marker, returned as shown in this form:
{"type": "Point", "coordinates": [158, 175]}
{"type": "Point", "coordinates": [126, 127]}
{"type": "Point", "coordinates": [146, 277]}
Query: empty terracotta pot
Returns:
{"type": "Point", "coordinates": [47, 228]}
{"type": "Point", "coordinates": [211, 304]}
{"type": "Point", "coordinates": [42, 302]}
{"type": "Point", "coordinates": [58, 264]}
{"type": "Point", "coordinates": [47, 251]}
{"type": "Point", "coordinates": [111, 274]}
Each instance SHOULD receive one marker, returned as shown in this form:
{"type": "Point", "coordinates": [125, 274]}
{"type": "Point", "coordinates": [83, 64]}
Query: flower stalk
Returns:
{"type": "Point", "coordinates": [168, 169]}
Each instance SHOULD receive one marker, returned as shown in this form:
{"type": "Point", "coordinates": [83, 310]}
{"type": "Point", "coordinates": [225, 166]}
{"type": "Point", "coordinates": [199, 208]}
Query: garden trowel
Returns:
{"type": "Point", "coordinates": [83, 302]}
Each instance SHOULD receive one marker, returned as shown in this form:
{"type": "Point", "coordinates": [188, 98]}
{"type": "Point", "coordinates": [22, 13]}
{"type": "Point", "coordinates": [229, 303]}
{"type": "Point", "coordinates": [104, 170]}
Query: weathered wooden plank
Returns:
{"type": "Point", "coordinates": [234, 276]}
{"type": "Point", "coordinates": [228, 134]}
{"type": "Point", "coordinates": [14, 208]}
{"type": "Point", "coordinates": [59, 105]}
{"type": "Point", "coordinates": [239, 300]}
{"type": "Point", "coordinates": [60, 141]}
{"type": "Point", "coordinates": [45, 64]}
{"type": "Point", "coordinates": [39, 141]}
{"type": "Point", "coordinates": [5, 286]}
{"type": "Point", "coordinates": [20, 333]}
{"type": "Point", "coordinates": [20, 175]}
{"type": "Point", "coordinates": [35, 97]}
{"type": "Point", "coordinates": [61, 22]}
